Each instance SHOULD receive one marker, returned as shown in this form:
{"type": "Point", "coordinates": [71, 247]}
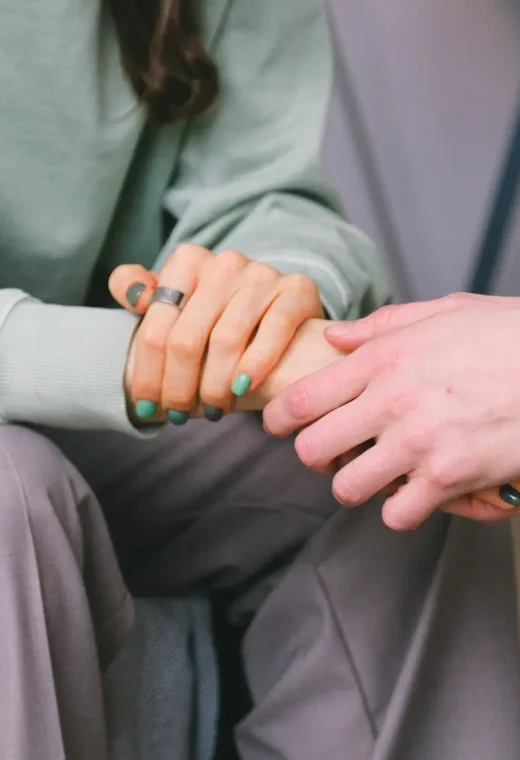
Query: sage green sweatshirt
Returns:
{"type": "Point", "coordinates": [87, 183]}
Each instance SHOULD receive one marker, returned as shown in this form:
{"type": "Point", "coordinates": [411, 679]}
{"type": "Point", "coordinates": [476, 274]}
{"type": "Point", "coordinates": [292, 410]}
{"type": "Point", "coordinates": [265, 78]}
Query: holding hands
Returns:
{"type": "Point", "coordinates": [421, 406]}
{"type": "Point", "coordinates": [437, 386]}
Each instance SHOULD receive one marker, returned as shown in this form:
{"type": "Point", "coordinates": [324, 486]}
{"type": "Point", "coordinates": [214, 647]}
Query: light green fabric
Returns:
{"type": "Point", "coordinates": [85, 181]}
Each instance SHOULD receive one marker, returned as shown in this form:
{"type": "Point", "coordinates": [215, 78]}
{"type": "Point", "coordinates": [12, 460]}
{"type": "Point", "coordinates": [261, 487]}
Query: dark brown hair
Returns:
{"type": "Point", "coordinates": [164, 57]}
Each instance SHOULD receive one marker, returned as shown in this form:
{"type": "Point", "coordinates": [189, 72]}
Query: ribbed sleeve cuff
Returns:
{"type": "Point", "coordinates": [63, 366]}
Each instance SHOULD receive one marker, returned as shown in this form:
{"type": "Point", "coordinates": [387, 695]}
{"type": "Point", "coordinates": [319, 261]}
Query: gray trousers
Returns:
{"type": "Point", "coordinates": [362, 644]}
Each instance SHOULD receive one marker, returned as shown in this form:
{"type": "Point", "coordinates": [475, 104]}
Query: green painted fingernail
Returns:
{"type": "Point", "coordinates": [178, 418]}
{"type": "Point", "coordinates": [144, 409]}
{"type": "Point", "coordinates": [134, 293]}
{"type": "Point", "coordinates": [213, 413]}
{"type": "Point", "coordinates": [241, 385]}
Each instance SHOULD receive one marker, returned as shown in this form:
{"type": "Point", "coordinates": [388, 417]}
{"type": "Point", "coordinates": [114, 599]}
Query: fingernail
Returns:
{"type": "Point", "coordinates": [178, 418]}
{"type": "Point", "coordinates": [241, 385]}
{"type": "Point", "coordinates": [213, 413]}
{"type": "Point", "coordinates": [510, 495]}
{"type": "Point", "coordinates": [144, 409]}
{"type": "Point", "coordinates": [134, 293]}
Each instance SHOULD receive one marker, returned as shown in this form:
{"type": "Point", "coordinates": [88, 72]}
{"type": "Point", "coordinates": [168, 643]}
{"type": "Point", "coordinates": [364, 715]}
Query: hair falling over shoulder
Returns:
{"type": "Point", "coordinates": [165, 58]}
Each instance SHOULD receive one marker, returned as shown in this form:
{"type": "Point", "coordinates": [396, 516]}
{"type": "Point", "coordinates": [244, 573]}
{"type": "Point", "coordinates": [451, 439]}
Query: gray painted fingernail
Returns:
{"type": "Point", "coordinates": [134, 293]}
{"type": "Point", "coordinates": [510, 495]}
{"type": "Point", "coordinates": [213, 413]}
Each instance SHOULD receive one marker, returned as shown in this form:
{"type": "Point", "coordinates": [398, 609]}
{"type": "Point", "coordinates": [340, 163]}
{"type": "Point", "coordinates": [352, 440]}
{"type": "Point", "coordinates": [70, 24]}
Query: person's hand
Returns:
{"type": "Point", "coordinates": [437, 386]}
{"type": "Point", "coordinates": [235, 321]}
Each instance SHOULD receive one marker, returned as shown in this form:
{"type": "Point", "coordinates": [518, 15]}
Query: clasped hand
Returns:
{"type": "Point", "coordinates": [235, 322]}
{"type": "Point", "coordinates": [437, 404]}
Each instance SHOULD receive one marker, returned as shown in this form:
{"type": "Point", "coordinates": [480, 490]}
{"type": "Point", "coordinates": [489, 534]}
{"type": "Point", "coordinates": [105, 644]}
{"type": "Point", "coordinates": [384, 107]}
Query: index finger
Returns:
{"type": "Point", "coordinates": [317, 394]}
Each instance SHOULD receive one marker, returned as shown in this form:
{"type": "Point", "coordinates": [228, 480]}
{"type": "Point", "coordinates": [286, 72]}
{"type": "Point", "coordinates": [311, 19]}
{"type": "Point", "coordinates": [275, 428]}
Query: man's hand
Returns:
{"type": "Point", "coordinates": [437, 386]}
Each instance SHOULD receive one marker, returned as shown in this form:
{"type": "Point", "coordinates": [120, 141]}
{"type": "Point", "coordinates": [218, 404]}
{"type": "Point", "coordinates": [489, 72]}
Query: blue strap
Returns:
{"type": "Point", "coordinates": [499, 221]}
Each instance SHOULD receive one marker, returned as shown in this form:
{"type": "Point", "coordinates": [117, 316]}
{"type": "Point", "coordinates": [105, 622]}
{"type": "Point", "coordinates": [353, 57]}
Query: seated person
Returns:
{"type": "Point", "coordinates": [214, 110]}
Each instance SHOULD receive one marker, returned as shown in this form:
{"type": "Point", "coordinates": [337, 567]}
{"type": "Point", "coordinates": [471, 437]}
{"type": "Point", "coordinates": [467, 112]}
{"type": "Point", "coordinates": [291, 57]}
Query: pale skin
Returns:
{"type": "Point", "coordinates": [299, 371]}
{"type": "Point", "coordinates": [437, 386]}
{"type": "Point", "coordinates": [236, 321]}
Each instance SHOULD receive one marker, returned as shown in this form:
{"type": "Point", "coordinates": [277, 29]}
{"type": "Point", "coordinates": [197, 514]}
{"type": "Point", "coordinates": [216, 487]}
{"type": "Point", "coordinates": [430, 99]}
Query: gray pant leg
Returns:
{"type": "Point", "coordinates": [372, 646]}
{"type": "Point", "coordinates": [64, 608]}
{"type": "Point", "coordinates": [381, 646]}
{"type": "Point", "coordinates": [205, 507]}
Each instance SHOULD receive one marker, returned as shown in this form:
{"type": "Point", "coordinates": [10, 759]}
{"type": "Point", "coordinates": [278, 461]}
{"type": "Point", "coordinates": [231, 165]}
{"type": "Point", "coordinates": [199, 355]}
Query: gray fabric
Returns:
{"type": "Point", "coordinates": [64, 607]}
{"type": "Point", "coordinates": [366, 645]}
{"type": "Point", "coordinates": [65, 615]}
{"type": "Point", "coordinates": [370, 645]}
{"type": "Point", "coordinates": [161, 692]}
{"type": "Point", "coordinates": [86, 182]}
{"type": "Point", "coordinates": [392, 647]}
{"type": "Point", "coordinates": [204, 507]}
{"type": "Point", "coordinates": [419, 128]}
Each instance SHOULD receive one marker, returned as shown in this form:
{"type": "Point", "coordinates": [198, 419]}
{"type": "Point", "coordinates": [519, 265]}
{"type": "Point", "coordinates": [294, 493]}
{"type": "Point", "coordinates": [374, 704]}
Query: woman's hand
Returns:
{"type": "Point", "coordinates": [437, 386]}
{"type": "Point", "coordinates": [233, 325]}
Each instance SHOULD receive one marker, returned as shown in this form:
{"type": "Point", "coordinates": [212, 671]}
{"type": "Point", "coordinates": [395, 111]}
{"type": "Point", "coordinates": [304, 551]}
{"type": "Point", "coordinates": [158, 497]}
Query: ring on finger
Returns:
{"type": "Point", "coordinates": [168, 296]}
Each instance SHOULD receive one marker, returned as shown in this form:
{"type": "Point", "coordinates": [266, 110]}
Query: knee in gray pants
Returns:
{"type": "Point", "coordinates": [64, 607]}
{"type": "Point", "coordinates": [38, 486]}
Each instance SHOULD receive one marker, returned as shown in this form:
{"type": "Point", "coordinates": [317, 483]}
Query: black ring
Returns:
{"type": "Point", "coordinates": [169, 296]}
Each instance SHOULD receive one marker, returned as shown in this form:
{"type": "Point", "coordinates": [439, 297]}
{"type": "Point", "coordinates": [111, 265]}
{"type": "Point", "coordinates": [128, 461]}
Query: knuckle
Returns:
{"type": "Point", "coordinates": [152, 338]}
{"type": "Point", "coordinates": [384, 316]}
{"type": "Point", "coordinates": [187, 251]}
{"type": "Point", "coordinates": [224, 340]}
{"type": "Point", "coordinates": [186, 346]}
{"type": "Point", "coordinates": [418, 440]}
{"type": "Point", "coordinates": [399, 403]}
{"type": "Point", "coordinates": [301, 283]}
{"type": "Point", "coordinates": [230, 261]}
{"type": "Point", "coordinates": [259, 271]}
{"type": "Point", "coordinates": [299, 402]}
{"type": "Point", "coordinates": [458, 299]}
{"type": "Point", "coordinates": [445, 472]}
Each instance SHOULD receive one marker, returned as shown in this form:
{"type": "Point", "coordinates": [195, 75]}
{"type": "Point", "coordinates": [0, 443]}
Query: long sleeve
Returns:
{"type": "Point", "coordinates": [250, 175]}
{"type": "Point", "coordinates": [63, 366]}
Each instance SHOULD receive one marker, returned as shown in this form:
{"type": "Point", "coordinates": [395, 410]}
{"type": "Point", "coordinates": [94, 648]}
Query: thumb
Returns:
{"type": "Point", "coordinates": [133, 286]}
{"type": "Point", "coordinates": [351, 335]}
